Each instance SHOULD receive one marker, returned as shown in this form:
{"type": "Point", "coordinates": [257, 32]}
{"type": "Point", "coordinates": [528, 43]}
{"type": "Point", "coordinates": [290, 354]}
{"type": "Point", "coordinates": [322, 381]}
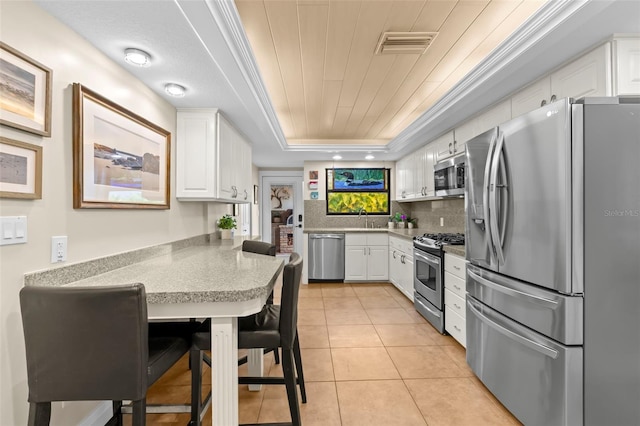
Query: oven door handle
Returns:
{"type": "Point", "coordinates": [433, 312]}
{"type": "Point", "coordinates": [432, 260]}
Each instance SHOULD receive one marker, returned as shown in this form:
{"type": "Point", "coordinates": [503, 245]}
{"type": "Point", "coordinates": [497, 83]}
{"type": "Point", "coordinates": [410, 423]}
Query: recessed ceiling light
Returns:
{"type": "Point", "coordinates": [137, 57]}
{"type": "Point", "coordinates": [369, 157]}
{"type": "Point", "coordinates": [337, 157]}
{"type": "Point", "coordinates": [175, 90]}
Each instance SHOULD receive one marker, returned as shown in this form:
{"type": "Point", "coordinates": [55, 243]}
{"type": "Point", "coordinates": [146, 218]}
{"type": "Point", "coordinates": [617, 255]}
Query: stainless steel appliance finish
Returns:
{"type": "Point", "coordinates": [326, 257]}
{"type": "Point", "coordinates": [553, 241]}
{"type": "Point", "coordinates": [428, 277]}
{"type": "Point", "coordinates": [448, 176]}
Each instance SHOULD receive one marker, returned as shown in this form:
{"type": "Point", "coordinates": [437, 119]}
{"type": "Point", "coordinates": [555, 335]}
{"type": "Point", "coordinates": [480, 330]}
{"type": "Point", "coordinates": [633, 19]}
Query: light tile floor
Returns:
{"type": "Point", "coordinates": [369, 359]}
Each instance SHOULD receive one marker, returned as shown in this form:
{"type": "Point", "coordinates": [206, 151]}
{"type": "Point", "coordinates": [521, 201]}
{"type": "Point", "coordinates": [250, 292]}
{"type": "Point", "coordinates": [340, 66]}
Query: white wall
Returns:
{"type": "Point", "coordinates": [92, 233]}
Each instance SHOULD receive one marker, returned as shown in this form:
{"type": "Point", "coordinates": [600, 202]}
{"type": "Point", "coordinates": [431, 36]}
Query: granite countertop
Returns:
{"type": "Point", "coordinates": [457, 250]}
{"type": "Point", "coordinates": [201, 273]}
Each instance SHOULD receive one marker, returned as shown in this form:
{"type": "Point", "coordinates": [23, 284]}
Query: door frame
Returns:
{"type": "Point", "coordinates": [282, 177]}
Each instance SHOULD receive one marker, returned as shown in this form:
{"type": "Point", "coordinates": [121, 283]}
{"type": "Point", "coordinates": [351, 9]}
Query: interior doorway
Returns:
{"type": "Point", "coordinates": [282, 210]}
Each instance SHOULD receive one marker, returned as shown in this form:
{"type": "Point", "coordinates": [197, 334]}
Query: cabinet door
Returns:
{"type": "Point", "coordinates": [226, 157]}
{"type": "Point", "coordinates": [589, 75]}
{"type": "Point", "coordinates": [626, 71]}
{"type": "Point", "coordinates": [355, 263]}
{"type": "Point", "coordinates": [394, 267]}
{"type": "Point", "coordinates": [377, 265]}
{"type": "Point", "coordinates": [406, 279]}
{"type": "Point", "coordinates": [402, 167]}
{"type": "Point", "coordinates": [419, 173]}
{"type": "Point", "coordinates": [427, 165]}
{"type": "Point", "coordinates": [196, 154]}
{"type": "Point", "coordinates": [443, 146]}
{"type": "Point", "coordinates": [531, 97]}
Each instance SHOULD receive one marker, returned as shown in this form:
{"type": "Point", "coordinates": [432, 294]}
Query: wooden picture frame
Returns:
{"type": "Point", "coordinates": [25, 92]}
{"type": "Point", "coordinates": [120, 160]}
{"type": "Point", "coordinates": [20, 170]}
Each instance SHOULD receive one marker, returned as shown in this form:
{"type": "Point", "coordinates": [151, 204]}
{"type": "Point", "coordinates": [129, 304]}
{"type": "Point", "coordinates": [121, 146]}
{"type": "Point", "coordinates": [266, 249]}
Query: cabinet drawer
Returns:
{"type": "Point", "coordinates": [355, 239]}
{"type": "Point", "coordinates": [377, 239]}
{"type": "Point", "coordinates": [401, 244]}
{"type": "Point", "coordinates": [454, 302]}
{"type": "Point", "coordinates": [455, 284]}
{"type": "Point", "coordinates": [455, 325]}
{"type": "Point", "coordinates": [455, 264]}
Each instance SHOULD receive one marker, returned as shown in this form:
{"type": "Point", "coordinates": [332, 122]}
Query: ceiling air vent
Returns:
{"type": "Point", "coordinates": [397, 43]}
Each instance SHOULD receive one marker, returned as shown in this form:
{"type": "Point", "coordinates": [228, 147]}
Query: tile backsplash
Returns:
{"type": "Point", "coordinates": [315, 216]}
{"type": "Point", "coordinates": [428, 214]}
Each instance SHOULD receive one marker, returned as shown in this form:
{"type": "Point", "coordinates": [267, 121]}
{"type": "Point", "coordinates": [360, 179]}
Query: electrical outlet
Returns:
{"type": "Point", "coordinates": [58, 249]}
{"type": "Point", "coordinates": [442, 221]}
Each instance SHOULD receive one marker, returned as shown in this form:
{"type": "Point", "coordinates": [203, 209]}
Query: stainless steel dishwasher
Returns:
{"type": "Point", "coordinates": [326, 257]}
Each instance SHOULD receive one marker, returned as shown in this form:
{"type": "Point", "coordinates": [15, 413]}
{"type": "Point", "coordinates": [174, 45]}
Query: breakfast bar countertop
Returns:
{"type": "Point", "coordinates": [206, 273]}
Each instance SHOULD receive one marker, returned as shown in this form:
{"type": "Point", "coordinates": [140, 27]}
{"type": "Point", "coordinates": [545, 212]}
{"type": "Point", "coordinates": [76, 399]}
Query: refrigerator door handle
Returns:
{"type": "Point", "coordinates": [493, 200]}
{"type": "Point", "coordinates": [512, 292]}
{"type": "Point", "coordinates": [545, 350]}
{"type": "Point", "coordinates": [504, 197]}
{"type": "Point", "coordinates": [485, 193]}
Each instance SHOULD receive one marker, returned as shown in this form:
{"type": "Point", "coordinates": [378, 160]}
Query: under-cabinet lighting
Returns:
{"type": "Point", "coordinates": [337, 157]}
{"type": "Point", "coordinates": [369, 157]}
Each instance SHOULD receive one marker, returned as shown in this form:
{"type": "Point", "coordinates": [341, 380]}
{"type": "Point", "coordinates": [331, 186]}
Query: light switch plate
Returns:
{"type": "Point", "coordinates": [13, 230]}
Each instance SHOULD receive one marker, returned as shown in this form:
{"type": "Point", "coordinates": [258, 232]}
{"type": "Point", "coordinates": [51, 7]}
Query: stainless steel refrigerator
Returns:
{"type": "Point", "coordinates": [553, 241]}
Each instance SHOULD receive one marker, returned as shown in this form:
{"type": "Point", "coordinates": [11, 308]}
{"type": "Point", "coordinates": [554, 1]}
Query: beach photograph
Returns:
{"type": "Point", "coordinates": [123, 159]}
{"type": "Point", "coordinates": [17, 90]}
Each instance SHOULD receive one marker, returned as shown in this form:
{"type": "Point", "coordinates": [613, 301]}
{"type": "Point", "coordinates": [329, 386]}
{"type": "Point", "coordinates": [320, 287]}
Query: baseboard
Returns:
{"type": "Point", "coordinates": [100, 416]}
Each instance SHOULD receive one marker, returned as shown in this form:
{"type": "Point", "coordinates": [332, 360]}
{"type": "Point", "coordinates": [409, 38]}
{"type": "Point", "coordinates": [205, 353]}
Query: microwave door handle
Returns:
{"type": "Point", "coordinates": [493, 200]}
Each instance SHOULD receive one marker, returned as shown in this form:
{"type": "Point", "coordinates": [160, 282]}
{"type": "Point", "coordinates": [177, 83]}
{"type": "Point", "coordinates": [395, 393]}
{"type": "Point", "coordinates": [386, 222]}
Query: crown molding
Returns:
{"type": "Point", "coordinates": [551, 15]}
{"type": "Point", "coordinates": [228, 20]}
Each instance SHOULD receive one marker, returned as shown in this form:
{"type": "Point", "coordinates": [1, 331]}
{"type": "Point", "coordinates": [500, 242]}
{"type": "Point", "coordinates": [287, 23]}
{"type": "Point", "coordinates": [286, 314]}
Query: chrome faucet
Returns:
{"type": "Point", "coordinates": [366, 216]}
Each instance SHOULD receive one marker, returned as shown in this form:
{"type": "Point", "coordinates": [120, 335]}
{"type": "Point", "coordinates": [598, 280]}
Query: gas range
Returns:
{"type": "Point", "coordinates": [429, 242]}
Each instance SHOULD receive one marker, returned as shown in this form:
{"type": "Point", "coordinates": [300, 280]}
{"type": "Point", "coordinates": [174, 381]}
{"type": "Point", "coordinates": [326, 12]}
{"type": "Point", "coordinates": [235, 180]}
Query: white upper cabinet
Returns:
{"type": "Point", "coordinates": [589, 75]}
{"type": "Point", "coordinates": [213, 159]}
{"type": "Point", "coordinates": [424, 160]}
{"type": "Point", "coordinates": [495, 116]}
{"type": "Point", "coordinates": [626, 66]}
{"type": "Point", "coordinates": [404, 179]}
{"type": "Point", "coordinates": [443, 146]}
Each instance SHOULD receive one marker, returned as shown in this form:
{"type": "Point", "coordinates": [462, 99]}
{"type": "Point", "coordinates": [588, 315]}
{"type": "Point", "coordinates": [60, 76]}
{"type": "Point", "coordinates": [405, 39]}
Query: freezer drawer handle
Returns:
{"type": "Point", "coordinates": [530, 297]}
{"type": "Point", "coordinates": [545, 350]}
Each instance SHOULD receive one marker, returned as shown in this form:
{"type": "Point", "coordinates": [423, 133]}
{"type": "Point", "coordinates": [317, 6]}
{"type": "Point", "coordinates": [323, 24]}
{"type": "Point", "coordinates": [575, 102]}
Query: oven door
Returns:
{"type": "Point", "coordinates": [427, 279]}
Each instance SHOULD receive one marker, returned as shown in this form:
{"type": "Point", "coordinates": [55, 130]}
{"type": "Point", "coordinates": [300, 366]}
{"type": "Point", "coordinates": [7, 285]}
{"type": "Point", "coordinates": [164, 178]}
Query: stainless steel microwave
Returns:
{"type": "Point", "coordinates": [448, 176]}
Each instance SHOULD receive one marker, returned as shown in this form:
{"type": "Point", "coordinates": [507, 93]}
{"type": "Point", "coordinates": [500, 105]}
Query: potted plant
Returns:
{"type": "Point", "coordinates": [412, 222]}
{"type": "Point", "coordinates": [226, 224]}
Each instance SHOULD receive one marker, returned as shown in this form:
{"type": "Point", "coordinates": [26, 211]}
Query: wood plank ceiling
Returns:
{"type": "Point", "coordinates": [327, 85]}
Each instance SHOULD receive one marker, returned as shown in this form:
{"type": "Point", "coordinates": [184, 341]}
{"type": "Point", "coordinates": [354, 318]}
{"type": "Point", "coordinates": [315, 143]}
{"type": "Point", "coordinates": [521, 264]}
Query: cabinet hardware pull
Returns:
{"type": "Point", "coordinates": [454, 146]}
{"type": "Point", "coordinates": [553, 98]}
{"type": "Point", "coordinates": [543, 103]}
{"type": "Point", "coordinates": [246, 194]}
{"type": "Point", "coordinates": [456, 287]}
{"type": "Point", "coordinates": [457, 328]}
{"type": "Point", "coordinates": [456, 267]}
{"type": "Point", "coordinates": [394, 254]}
{"type": "Point", "coordinates": [450, 151]}
{"type": "Point", "coordinates": [456, 305]}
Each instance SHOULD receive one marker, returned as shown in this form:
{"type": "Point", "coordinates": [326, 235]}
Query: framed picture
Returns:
{"type": "Point", "coordinates": [313, 174]}
{"type": "Point", "coordinates": [313, 184]}
{"type": "Point", "coordinates": [314, 195]}
{"type": "Point", "coordinates": [25, 92]}
{"type": "Point", "coordinates": [20, 170]}
{"type": "Point", "coordinates": [120, 160]}
{"type": "Point", "coordinates": [255, 194]}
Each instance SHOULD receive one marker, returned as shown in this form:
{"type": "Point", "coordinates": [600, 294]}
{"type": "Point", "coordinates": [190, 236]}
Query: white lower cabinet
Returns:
{"type": "Point", "coordinates": [365, 256]}
{"type": "Point", "coordinates": [401, 265]}
{"type": "Point", "coordinates": [455, 297]}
